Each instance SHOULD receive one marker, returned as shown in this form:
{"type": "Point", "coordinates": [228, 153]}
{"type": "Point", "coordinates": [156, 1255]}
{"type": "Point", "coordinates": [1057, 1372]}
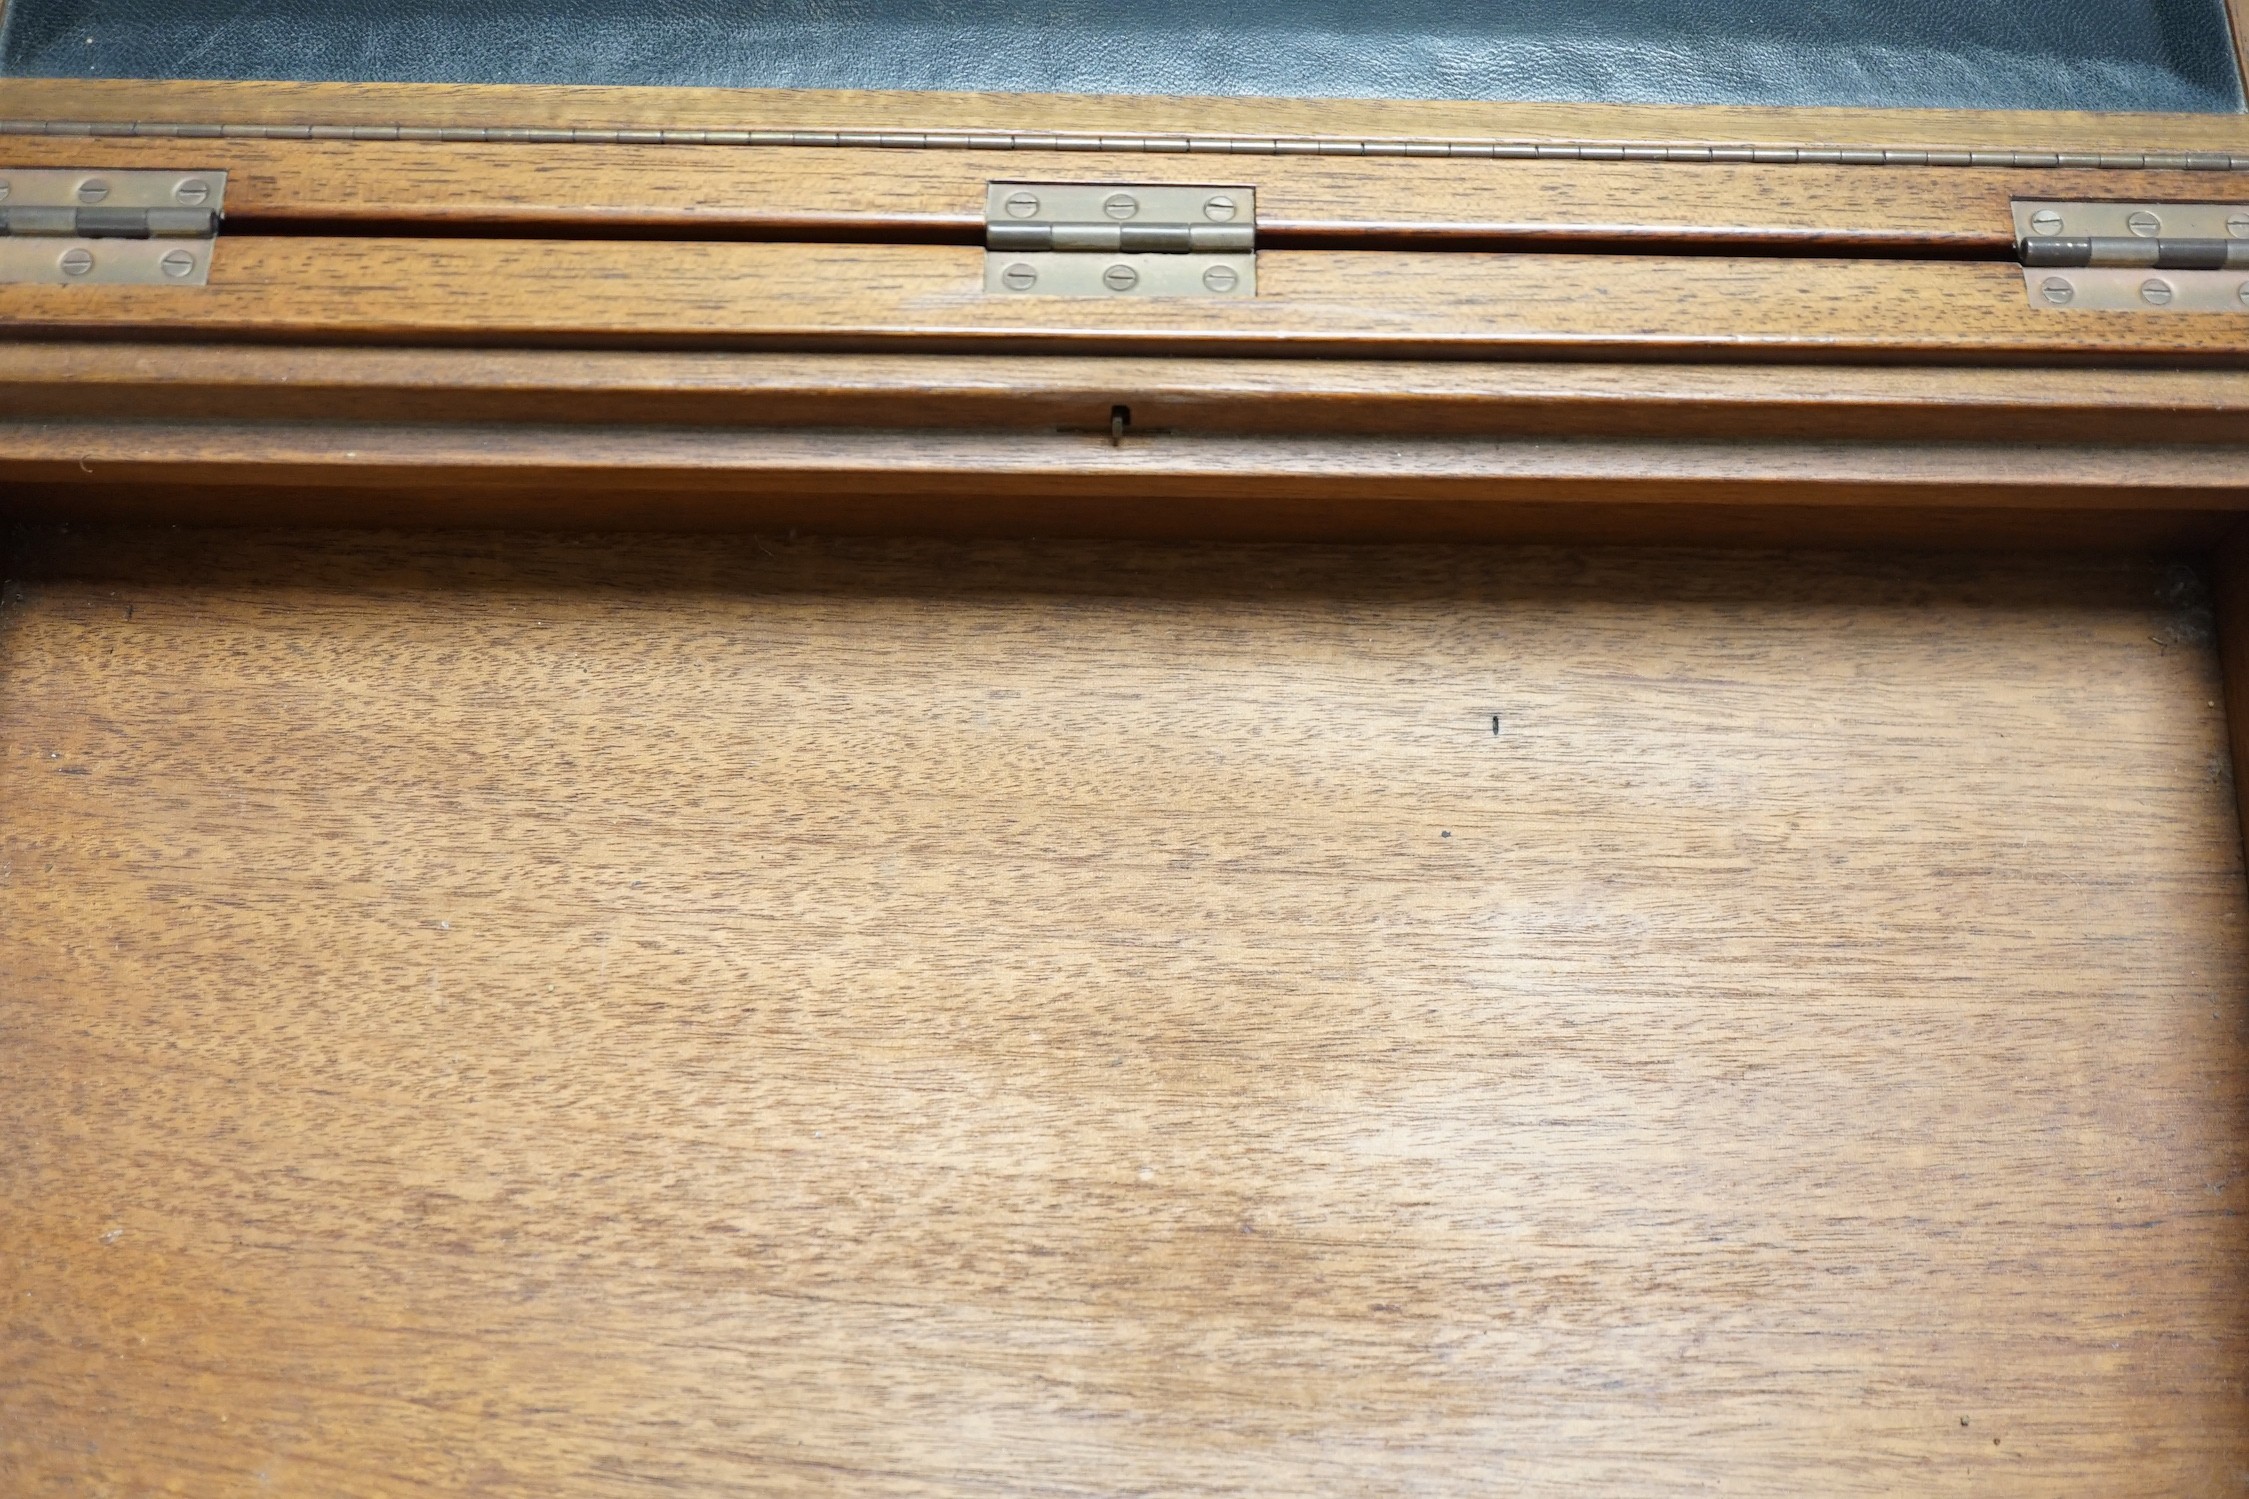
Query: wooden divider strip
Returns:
{"type": "Point", "coordinates": [931, 298]}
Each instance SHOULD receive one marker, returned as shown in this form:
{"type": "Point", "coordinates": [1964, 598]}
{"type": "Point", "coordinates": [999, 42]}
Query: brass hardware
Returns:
{"type": "Point", "coordinates": [1107, 240]}
{"type": "Point", "coordinates": [2135, 257]}
{"type": "Point", "coordinates": [108, 228]}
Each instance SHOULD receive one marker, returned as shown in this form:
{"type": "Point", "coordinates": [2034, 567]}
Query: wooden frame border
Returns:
{"type": "Point", "coordinates": [2237, 19]}
{"type": "Point", "coordinates": [1127, 123]}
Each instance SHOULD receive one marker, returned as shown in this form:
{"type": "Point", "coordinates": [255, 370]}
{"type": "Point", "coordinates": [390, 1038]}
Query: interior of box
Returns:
{"type": "Point", "coordinates": [540, 1014]}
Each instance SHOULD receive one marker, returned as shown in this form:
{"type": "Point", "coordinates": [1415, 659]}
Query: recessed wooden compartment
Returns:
{"type": "Point", "coordinates": [531, 1013]}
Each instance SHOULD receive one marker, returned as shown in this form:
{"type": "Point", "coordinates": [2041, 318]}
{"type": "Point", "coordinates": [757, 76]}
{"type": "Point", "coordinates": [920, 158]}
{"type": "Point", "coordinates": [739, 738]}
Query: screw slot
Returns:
{"type": "Point", "coordinates": [2057, 290]}
{"type": "Point", "coordinates": [1221, 208]}
{"type": "Point", "coordinates": [2146, 225]}
{"type": "Point", "coordinates": [93, 190]}
{"type": "Point", "coordinates": [4, 189]}
{"type": "Point", "coordinates": [1120, 278]}
{"type": "Point", "coordinates": [1121, 206]}
{"type": "Point", "coordinates": [178, 265]}
{"type": "Point", "coordinates": [1019, 278]}
{"type": "Point", "coordinates": [2238, 225]}
{"type": "Point", "coordinates": [1023, 206]}
{"type": "Point", "coordinates": [2046, 221]}
{"type": "Point", "coordinates": [194, 192]}
{"type": "Point", "coordinates": [2156, 293]}
{"type": "Point", "coordinates": [1222, 278]}
{"type": "Point", "coordinates": [77, 261]}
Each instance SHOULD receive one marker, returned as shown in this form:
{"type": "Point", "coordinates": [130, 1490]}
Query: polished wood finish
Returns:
{"type": "Point", "coordinates": [2237, 11]}
{"type": "Point", "coordinates": [2125, 408]}
{"type": "Point", "coordinates": [546, 1017]}
{"type": "Point", "coordinates": [607, 470]}
{"type": "Point", "coordinates": [1245, 123]}
{"type": "Point", "coordinates": [1218, 448]}
{"type": "Point", "coordinates": [931, 297]}
{"type": "Point", "coordinates": [706, 191]}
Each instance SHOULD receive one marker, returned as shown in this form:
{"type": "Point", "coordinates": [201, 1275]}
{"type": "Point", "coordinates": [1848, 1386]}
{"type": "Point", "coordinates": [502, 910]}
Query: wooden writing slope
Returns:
{"type": "Point", "coordinates": [730, 792]}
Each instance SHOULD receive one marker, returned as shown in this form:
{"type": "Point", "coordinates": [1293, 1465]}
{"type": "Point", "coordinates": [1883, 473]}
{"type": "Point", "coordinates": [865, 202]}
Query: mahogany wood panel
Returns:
{"type": "Point", "coordinates": [2237, 11]}
{"type": "Point", "coordinates": [609, 463]}
{"type": "Point", "coordinates": [1253, 123]}
{"type": "Point", "coordinates": [538, 1017]}
{"type": "Point", "coordinates": [931, 297]}
{"type": "Point", "coordinates": [2122, 407]}
{"type": "Point", "coordinates": [807, 191]}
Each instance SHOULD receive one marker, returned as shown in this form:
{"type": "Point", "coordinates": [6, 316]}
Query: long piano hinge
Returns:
{"type": "Point", "coordinates": [2105, 257]}
{"type": "Point", "coordinates": [100, 227]}
{"type": "Point", "coordinates": [1119, 240]}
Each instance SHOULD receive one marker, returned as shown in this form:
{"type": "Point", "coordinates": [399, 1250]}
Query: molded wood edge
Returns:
{"type": "Point", "coordinates": [2136, 408]}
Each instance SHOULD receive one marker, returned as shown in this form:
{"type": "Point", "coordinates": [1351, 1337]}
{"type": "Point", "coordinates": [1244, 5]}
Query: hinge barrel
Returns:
{"type": "Point", "coordinates": [108, 223]}
{"type": "Point", "coordinates": [1125, 239]}
{"type": "Point", "coordinates": [2162, 254]}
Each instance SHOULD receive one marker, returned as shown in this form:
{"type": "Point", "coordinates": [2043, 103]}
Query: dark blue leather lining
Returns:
{"type": "Point", "coordinates": [1997, 54]}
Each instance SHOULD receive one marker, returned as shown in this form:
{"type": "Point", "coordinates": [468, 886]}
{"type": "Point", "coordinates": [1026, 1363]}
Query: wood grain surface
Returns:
{"type": "Point", "coordinates": [610, 466]}
{"type": "Point", "coordinates": [931, 298]}
{"type": "Point", "coordinates": [690, 191]}
{"type": "Point", "coordinates": [1246, 123]}
{"type": "Point", "coordinates": [516, 1016]}
{"type": "Point", "coordinates": [2237, 12]}
{"type": "Point", "coordinates": [2123, 408]}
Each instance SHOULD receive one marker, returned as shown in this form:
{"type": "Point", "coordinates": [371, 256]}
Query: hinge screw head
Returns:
{"type": "Point", "coordinates": [2245, 291]}
{"type": "Point", "coordinates": [1019, 278]}
{"type": "Point", "coordinates": [2057, 290]}
{"type": "Point", "coordinates": [2156, 293]}
{"type": "Point", "coordinates": [178, 264]}
{"type": "Point", "coordinates": [1023, 206]}
{"type": "Point", "coordinates": [2238, 226]}
{"type": "Point", "coordinates": [1121, 206]}
{"type": "Point", "coordinates": [194, 192]}
{"type": "Point", "coordinates": [1221, 278]}
{"type": "Point", "coordinates": [77, 262]}
{"type": "Point", "coordinates": [2046, 221]}
{"type": "Point", "coordinates": [1220, 209]}
{"type": "Point", "coordinates": [2146, 225]}
{"type": "Point", "coordinates": [3, 190]}
{"type": "Point", "coordinates": [1120, 278]}
{"type": "Point", "coordinates": [93, 190]}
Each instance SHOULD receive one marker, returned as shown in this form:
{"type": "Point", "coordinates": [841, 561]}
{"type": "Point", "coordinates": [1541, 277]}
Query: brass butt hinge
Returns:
{"type": "Point", "coordinates": [2135, 257]}
{"type": "Point", "coordinates": [138, 228]}
{"type": "Point", "coordinates": [1047, 239]}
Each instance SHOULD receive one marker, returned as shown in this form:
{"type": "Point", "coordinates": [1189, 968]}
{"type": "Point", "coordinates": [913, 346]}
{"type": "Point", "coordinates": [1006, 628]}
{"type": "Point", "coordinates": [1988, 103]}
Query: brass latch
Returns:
{"type": "Point", "coordinates": [1119, 240]}
{"type": "Point", "coordinates": [2135, 257]}
{"type": "Point", "coordinates": [137, 228]}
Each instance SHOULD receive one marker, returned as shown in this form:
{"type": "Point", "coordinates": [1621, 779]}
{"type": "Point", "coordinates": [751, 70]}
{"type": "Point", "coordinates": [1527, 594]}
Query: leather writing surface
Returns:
{"type": "Point", "coordinates": [2170, 55]}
